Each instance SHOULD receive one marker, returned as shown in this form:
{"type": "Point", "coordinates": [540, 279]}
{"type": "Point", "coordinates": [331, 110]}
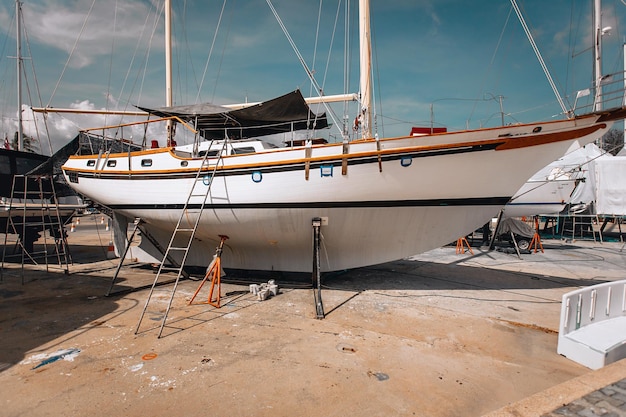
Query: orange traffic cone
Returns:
{"type": "Point", "coordinates": [111, 250]}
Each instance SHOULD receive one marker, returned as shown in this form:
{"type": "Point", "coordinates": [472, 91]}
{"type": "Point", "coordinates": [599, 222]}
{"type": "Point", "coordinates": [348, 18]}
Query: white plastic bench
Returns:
{"type": "Point", "coordinates": [592, 331]}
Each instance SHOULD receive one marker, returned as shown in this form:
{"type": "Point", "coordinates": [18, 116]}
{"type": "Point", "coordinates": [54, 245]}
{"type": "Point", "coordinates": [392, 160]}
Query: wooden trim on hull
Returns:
{"type": "Point", "coordinates": [282, 166]}
{"type": "Point", "coordinates": [374, 156]}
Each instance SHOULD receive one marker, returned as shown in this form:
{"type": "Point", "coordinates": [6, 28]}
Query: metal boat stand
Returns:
{"type": "Point", "coordinates": [317, 278]}
{"type": "Point", "coordinates": [137, 226]}
{"type": "Point", "coordinates": [215, 272]}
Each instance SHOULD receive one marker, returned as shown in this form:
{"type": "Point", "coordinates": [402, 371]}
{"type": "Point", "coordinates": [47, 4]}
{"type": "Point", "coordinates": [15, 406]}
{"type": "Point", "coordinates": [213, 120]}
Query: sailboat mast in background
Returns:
{"type": "Point", "coordinates": [366, 69]}
{"type": "Point", "coordinates": [18, 57]}
{"type": "Point", "coordinates": [598, 31]}
{"type": "Point", "coordinates": [168, 68]}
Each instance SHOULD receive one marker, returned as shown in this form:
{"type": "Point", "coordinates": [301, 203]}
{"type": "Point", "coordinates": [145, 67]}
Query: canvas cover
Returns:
{"type": "Point", "coordinates": [603, 184]}
{"type": "Point", "coordinates": [287, 113]}
{"type": "Point", "coordinates": [584, 159]}
{"type": "Point", "coordinates": [515, 226]}
{"type": "Point", "coordinates": [54, 163]}
{"type": "Point", "coordinates": [610, 175]}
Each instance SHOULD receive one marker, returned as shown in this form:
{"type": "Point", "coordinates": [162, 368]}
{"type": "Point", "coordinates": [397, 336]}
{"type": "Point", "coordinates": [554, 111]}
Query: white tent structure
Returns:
{"type": "Point", "coordinates": [599, 194]}
{"type": "Point", "coordinates": [579, 188]}
{"type": "Point", "coordinates": [610, 185]}
{"type": "Point", "coordinates": [560, 183]}
{"type": "Point", "coordinates": [604, 183]}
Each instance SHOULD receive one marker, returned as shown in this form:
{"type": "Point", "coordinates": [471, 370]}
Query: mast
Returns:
{"type": "Point", "coordinates": [365, 68]}
{"type": "Point", "coordinates": [168, 67]}
{"type": "Point", "coordinates": [597, 54]}
{"type": "Point", "coordinates": [18, 26]}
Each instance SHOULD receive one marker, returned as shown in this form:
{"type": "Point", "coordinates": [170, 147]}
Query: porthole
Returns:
{"type": "Point", "coordinates": [257, 176]}
{"type": "Point", "coordinates": [184, 163]}
{"type": "Point", "coordinates": [206, 180]}
{"type": "Point", "coordinates": [146, 162]}
{"type": "Point", "coordinates": [111, 163]}
{"type": "Point", "coordinates": [326, 170]}
{"type": "Point", "coordinates": [406, 161]}
{"type": "Point", "coordinates": [91, 163]}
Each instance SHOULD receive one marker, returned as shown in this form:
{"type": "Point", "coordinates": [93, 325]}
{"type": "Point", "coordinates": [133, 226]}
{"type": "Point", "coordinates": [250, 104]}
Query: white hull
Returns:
{"type": "Point", "coordinates": [281, 240]}
{"type": "Point", "coordinates": [429, 191]}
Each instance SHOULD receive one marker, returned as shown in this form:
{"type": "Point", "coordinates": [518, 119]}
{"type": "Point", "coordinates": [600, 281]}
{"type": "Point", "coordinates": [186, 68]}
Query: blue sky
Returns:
{"type": "Point", "coordinates": [452, 55]}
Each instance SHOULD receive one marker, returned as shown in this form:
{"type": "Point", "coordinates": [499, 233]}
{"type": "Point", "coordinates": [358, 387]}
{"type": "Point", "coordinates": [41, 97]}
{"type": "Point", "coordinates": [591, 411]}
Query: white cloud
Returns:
{"type": "Point", "coordinates": [56, 129]}
{"type": "Point", "coordinates": [59, 25]}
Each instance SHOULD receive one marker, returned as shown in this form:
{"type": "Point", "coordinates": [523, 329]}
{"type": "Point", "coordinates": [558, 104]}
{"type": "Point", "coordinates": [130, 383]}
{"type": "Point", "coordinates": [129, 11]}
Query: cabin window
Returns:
{"type": "Point", "coordinates": [146, 162]}
{"type": "Point", "coordinates": [111, 163]}
{"type": "Point", "coordinates": [243, 150]}
{"type": "Point", "coordinates": [73, 176]}
{"type": "Point", "coordinates": [184, 163]}
{"type": "Point", "coordinates": [91, 163]}
{"type": "Point", "coordinates": [210, 154]}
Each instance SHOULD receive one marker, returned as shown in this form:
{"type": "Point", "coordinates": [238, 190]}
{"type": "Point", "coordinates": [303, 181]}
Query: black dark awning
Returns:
{"type": "Point", "coordinates": [287, 113]}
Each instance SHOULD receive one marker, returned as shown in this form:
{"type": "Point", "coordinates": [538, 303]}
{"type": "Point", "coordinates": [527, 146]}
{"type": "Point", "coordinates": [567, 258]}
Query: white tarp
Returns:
{"type": "Point", "coordinates": [610, 173]}
{"type": "Point", "coordinates": [561, 182]}
{"type": "Point", "coordinates": [584, 159]}
{"type": "Point", "coordinates": [601, 179]}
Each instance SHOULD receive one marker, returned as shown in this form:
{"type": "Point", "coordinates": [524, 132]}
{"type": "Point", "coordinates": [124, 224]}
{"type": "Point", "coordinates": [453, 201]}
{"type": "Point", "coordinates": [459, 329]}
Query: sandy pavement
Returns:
{"type": "Point", "coordinates": [438, 334]}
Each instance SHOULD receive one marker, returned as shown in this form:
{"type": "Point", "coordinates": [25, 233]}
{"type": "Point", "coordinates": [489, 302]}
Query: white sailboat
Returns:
{"type": "Point", "coordinates": [378, 199]}
{"type": "Point", "coordinates": [547, 192]}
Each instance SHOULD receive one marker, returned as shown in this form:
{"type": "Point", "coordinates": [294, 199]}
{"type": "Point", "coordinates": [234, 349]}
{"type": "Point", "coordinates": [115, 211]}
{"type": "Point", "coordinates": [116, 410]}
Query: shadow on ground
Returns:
{"type": "Point", "coordinates": [49, 306]}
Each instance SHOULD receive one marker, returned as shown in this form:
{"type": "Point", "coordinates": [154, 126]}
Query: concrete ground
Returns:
{"type": "Point", "coordinates": [438, 334]}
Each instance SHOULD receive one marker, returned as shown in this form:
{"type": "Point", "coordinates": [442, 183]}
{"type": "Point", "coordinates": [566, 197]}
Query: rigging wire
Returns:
{"type": "Point", "coordinates": [619, 58]}
{"type": "Point", "coordinates": [159, 13]}
{"type": "Point", "coordinates": [108, 94]}
{"type": "Point", "coordinates": [574, 168]}
{"type": "Point", "coordinates": [208, 59]}
{"type": "Point", "coordinates": [302, 62]}
{"type": "Point", "coordinates": [315, 44]}
{"type": "Point", "coordinates": [71, 52]}
{"type": "Point", "coordinates": [130, 66]}
{"type": "Point", "coordinates": [219, 66]}
{"type": "Point", "coordinates": [569, 45]}
{"type": "Point", "coordinates": [539, 57]}
{"type": "Point", "coordinates": [35, 124]}
{"type": "Point", "coordinates": [332, 41]}
{"type": "Point", "coordinates": [493, 58]}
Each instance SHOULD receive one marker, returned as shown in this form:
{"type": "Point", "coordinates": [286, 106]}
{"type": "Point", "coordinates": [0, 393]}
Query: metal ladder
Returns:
{"type": "Point", "coordinates": [44, 200]}
{"type": "Point", "coordinates": [188, 231]}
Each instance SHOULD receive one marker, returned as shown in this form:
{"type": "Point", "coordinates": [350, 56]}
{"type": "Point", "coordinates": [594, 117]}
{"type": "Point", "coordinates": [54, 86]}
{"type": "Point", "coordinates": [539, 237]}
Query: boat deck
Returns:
{"type": "Point", "coordinates": [438, 334]}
